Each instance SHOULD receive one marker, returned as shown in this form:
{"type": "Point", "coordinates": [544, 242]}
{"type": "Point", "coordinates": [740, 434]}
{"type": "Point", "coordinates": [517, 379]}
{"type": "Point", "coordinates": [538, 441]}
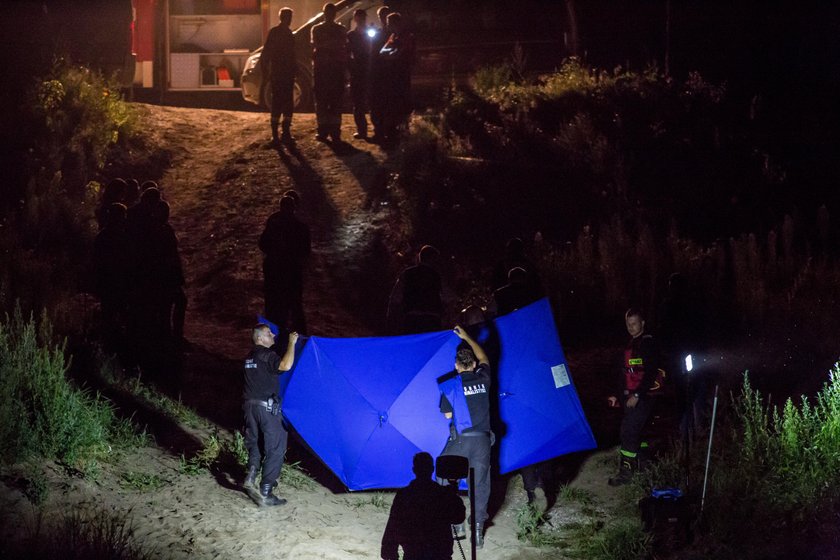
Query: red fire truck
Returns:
{"type": "Point", "coordinates": [202, 45]}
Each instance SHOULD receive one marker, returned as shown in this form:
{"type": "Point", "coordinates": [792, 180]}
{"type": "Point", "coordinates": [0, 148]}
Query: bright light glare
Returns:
{"type": "Point", "coordinates": [371, 33]}
{"type": "Point", "coordinates": [688, 363]}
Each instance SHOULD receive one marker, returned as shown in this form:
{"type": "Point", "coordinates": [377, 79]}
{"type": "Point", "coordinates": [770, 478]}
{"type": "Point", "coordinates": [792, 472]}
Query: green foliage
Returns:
{"type": "Point", "coordinates": [378, 500]}
{"type": "Point", "coordinates": [621, 539]}
{"type": "Point", "coordinates": [35, 486]}
{"type": "Point", "coordinates": [238, 449]}
{"type": "Point", "coordinates": [143, 482]}
{"type": "Point", "coordinates": [295, 476]}
{"type": "Point", "coordinates": [773, 472]}
{"type": "Point", "coordinates": [573, 495]}
{"type": "Point", "coordinates": [44, 414]}
{"type": "Point", "coordinates": [82, 114]}
{"type": "Point", "coordinates": [530, 528]}
{"type": "Point", "coordinates": [171, 408]}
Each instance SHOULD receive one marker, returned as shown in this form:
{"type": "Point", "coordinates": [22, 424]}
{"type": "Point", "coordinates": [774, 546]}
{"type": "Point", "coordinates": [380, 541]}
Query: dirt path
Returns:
{"type": "Point", "coordinates": [224, 184]}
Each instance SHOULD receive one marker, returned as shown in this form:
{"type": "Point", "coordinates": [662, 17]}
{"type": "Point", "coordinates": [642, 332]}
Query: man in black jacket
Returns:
{"type": "Point", "coordinates": [421, 517]}
{"type": "Point", "coordinates": [263, 415]}
{"type": "Point", "coordinates": [278, 63]}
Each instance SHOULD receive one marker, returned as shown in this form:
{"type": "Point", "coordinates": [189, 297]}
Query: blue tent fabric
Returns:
{"type": "Point", "coordinates": [367, 405]}
{"type": "Point", "coordinates": [453, 389]}
{"type": "Point", "coordinates": [538, 404]}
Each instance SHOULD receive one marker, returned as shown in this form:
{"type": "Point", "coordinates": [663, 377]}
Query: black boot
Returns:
{"type": "Point", "coordinates": [479, 535]}
{"type": "Point", "coordinates": [275, 139]}
{"type": "Point", "coordinates": [626, 468]}
{"type": "Point", "coordinates": [251, 478]}
{"type": "Point", "coordinates": [287, 137]}
{"type": "Point", "coordinates": [269, 499]}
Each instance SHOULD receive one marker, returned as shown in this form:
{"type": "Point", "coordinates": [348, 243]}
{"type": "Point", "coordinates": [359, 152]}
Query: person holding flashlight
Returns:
{"type": "Point", "coordinates": [640, 371]}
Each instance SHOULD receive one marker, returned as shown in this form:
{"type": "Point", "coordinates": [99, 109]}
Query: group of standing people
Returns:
{"type": "Point", "coordinates": [137, 271]}
{"type": "Point", "coordinates": [377, 60]}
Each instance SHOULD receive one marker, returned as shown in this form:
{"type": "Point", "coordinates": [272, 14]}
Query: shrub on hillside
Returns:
{"type": "Point", "coordinates": [583, 144]}
{"type": "Point", "coordinates": [43, 413]}
{"type": "Point", "coordinates": [72, 119]}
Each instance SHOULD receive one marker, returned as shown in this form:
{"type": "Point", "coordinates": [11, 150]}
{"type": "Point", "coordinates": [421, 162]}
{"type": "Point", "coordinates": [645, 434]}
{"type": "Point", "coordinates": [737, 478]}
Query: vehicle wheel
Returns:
{"type": "Point", "coordinates": [302, 95]}
{"type": "Point", "coordinates": [304, 101]}
{"type": "Point", "coordinates": [265, 96]}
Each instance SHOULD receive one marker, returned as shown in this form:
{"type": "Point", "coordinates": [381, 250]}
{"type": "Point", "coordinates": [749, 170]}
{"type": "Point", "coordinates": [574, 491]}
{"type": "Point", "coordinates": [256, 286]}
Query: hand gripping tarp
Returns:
{"type": "Point", "coordinates": [366, 405]}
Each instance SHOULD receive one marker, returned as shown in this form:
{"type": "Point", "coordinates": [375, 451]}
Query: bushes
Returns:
{"type": "Point", "coordinates": [80, 114]}
{"type": "Point", "coordinates": [772, 483]}
{"type": "Point", "coordinates": [43, 414]}
{"type": "Point", "coordinates": [72, 118]}
{"type": "Point", "coordinates": [581, 145]}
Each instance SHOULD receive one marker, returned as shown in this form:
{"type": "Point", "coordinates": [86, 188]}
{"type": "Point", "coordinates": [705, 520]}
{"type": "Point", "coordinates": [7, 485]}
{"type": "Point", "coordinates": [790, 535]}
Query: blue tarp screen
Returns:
{"type": "Point", "coordinates": [365, 406]}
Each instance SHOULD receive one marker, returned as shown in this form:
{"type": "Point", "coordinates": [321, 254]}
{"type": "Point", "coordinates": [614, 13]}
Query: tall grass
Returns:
{"type": "Point", "coordinates": [80, 534]}
{"type": "Point", "coordinates": [43, 413]}
{"type": "Point", "coordinates": [772, 483]}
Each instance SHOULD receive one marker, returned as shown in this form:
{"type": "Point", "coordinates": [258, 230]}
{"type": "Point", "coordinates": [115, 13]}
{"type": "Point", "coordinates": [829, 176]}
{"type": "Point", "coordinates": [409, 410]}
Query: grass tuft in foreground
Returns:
{"type": "Point", "coordinates": [44, 414]}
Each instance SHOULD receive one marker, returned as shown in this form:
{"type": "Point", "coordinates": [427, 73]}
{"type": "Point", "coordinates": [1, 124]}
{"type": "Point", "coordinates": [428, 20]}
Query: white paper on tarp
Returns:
{"type": "Point", "coordinates": [561, 376]}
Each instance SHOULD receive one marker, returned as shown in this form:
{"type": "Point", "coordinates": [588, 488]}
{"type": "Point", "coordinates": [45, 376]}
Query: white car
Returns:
{"type": "Point", "coordinates": [254, 88]}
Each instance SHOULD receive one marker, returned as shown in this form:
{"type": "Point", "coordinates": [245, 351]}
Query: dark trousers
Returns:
{"type": "Point", "coordinates": [633, 424]}
{"type": "Point", "coordinates": [284, 300]}
{"type": "Point", "coordinates": [329, 87]}
{"type": "Point", "coordinates": [477, 451]}
{"type": "Point", "coordinates": [532, 477]}
{"type": "Point", "coordinates": [282, 100]}
{"type": "Point", "coordinates": [358, 91]}
{"type": "Point", "coordinates": [260, 422]}
{"type": "Point", "coordinates": [179, 312]}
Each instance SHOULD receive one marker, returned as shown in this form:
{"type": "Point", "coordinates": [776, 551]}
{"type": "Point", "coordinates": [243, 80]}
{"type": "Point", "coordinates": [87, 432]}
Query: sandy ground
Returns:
{"type": "Point", "coordinates": [222, 185]}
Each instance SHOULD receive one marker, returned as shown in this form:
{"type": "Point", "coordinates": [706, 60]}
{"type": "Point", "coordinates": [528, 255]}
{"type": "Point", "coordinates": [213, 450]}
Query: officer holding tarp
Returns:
{"type": "Point", "coordinates": [263, 416]}
{"type": "Point", "coordinates": [465, 400]}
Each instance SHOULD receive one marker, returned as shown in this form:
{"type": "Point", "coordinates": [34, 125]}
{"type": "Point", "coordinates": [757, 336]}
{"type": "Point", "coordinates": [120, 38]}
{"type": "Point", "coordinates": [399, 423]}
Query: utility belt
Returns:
{"type": "Point", "coordinates": [489, 435]}
{"type": "Point", "coordinates": [271, 405]}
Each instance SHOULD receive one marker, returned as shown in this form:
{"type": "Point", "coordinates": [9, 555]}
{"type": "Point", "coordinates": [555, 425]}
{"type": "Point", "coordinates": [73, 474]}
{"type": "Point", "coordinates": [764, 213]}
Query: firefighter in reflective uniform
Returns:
{"type": "Point", "coordinates": [641, 379]}
{"type": "Point", "coordinates": [329, 41]}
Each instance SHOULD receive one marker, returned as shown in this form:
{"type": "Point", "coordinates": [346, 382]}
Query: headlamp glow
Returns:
{"type": "Point", "coordinates": [689, 365]}
{"type": "Point", "coordinates": [371, 33]}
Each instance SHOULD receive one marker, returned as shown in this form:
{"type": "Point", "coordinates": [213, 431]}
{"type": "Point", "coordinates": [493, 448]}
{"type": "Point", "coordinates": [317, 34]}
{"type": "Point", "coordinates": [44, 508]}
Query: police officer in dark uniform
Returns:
{"type": "Point", "coordinates": [359, 43]}
{"type": "Point", "coordinates": [329, 57]}
{"type": "Point", "coordinates": [465, 400]}
{"type": "Point", "coordinates": [640, 369]}
{"type": "Point", "coordinates": [263, 416]}
{"type": "Point", "coordinates": [278, 63]}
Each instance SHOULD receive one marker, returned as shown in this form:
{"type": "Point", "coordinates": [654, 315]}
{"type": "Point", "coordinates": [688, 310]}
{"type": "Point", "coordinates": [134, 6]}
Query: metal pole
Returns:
{"type": "Point", "coordinates": [472, 511]}
{"type": "Point", "coordinates": [709, 451]}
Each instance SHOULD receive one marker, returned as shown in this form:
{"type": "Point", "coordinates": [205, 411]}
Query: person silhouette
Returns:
{"type": "Point", "coordinates": [421, 517]}
{"type": "Point", "coordinates": [286, 243]}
